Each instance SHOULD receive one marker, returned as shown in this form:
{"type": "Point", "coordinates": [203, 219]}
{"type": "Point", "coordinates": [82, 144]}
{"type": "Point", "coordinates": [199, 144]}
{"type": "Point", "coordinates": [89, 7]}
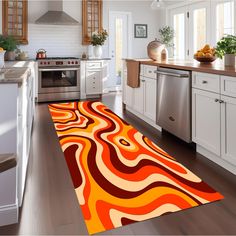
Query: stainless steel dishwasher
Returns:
{"type": "Point", "coordinates": [174, 102]}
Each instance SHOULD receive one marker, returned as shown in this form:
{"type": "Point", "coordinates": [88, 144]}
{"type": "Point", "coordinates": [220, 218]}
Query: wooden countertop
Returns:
{"type": "Point", "coordinates": [216, 67]}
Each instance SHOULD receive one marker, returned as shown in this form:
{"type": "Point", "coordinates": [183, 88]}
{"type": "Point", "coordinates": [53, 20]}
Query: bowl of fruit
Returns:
{"type": "Point", "coordinates": [205, 55]}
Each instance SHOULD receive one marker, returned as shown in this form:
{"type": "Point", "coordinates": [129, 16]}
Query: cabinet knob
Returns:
{"type": "Point", "coordinates": [204, 82]}
{"type": "Point", "coordinates": [216, 100]}
{"type": "Point", "coordinates": [221, 101]}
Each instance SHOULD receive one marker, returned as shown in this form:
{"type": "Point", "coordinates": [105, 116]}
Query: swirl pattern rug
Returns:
{"type": "Point", "coordinates": [119, 175]}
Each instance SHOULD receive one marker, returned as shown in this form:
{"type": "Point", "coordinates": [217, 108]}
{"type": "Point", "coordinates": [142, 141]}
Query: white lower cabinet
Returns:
{"type": "Point", "coordinates": [94, 82]}
{"type": "Point", "coordinates": [206, 119]}
{"type": "Point", "coordinates": [228, 128]}
{"type": "Point", "coordinates": [145, 98]}
{"type": "Point", "coordinates": [150, 93]}
{"type": "Point", "coordinates": [127, 91]}
{"type": "Point", "coordinates": [138, 94]}
{"type": "Point", "coordinates": [214, 122]}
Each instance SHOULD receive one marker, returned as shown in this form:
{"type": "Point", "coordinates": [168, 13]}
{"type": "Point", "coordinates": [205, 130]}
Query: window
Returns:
{"type": "Point", "coordinates": [179, 39]}
{"type": "Point", "coordinates": [199, 28]}
{"type": "Point", "coordinates": [224, 19]}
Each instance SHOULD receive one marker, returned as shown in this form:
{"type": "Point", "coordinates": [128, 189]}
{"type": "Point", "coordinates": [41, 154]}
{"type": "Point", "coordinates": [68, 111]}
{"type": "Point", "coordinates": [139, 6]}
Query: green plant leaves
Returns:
{"type": "Point", "coordinates": [227, 45]}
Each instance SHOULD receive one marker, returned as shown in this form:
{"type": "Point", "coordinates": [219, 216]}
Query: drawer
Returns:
{"type": "Point", "coordinates": [205, 81]}
{"type": "Point", "coordinates": [93, 83]}
{"type": "Point", "coordinates": [94, 65]}
{"type": "Point", "coordinates": [149, 71]}
{"type": "Point", "coordinates": [228, 86]}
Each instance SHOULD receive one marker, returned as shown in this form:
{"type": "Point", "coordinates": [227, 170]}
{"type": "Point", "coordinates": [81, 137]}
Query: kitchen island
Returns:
{"type": "Point", "coordinates": [16, 120]}
{"type": "Point", "coordinates": [216, 67]}
{"type": "Point", "coordinates": [213, 104]}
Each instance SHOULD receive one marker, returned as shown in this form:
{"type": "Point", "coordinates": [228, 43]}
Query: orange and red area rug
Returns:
{"type": "Point", "coordinates": [119, 175]}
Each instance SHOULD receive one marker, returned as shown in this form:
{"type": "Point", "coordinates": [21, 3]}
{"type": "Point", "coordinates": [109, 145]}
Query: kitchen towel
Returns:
{"type": "Point", "coordinates": [119, 175]}
{"type": "Point", "coordinates": [133, 70]}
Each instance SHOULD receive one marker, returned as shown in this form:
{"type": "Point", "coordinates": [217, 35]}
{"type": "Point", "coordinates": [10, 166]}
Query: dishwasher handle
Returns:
{"type": "Point", "coordinates": [171, 74]}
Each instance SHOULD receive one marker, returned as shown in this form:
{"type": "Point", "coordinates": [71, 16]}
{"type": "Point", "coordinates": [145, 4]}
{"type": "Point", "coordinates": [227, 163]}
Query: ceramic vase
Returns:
{"type": "Point", "coordinates": [230, 60]}
{"type": "Point", "coordinates": [10, 56]}
{"type": "Point", "coordinates": [97, 51]}
{"type": "Point", "coordinates": [154, 50]}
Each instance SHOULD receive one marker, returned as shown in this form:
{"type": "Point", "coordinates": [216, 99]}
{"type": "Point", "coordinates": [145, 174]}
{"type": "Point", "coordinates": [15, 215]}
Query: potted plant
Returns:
{"type": "Point", "coordinates": [9, 44]}
{"type": "Point", "coordinates": [166, 38]}
{"type": "Point", "coordinates": [226, 48]}
{"type": "Point", "coordinates": [97, 40]}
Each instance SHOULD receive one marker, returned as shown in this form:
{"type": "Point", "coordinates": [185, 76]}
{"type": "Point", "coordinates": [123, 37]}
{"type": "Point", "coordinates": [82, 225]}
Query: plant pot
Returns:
{"type": "Point", "coordinates": [97, 50]}
{"type": "Point", "coordinates": [10, 56]}
{"type": "Point", "coordinates": [230, 60]}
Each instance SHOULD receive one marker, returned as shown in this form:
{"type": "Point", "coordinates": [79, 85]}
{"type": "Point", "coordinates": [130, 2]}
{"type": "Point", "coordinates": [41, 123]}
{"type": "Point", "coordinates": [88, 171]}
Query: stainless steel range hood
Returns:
{"type": "Point", "coordinates": [56, 16]}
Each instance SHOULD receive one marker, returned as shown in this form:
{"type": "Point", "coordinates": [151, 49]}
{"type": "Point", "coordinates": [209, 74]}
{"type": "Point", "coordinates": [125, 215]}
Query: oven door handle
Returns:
{"type": "Point", "coordinates": [58, 69]}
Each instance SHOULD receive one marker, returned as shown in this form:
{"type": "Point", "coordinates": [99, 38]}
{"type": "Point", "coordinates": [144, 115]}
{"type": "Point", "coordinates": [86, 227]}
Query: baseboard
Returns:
{"type": "Point", "coordinates": [9, 214]}
{"type": "Point", "coordinates": [217, 159]}
{"type": "Point", "coordinates": [141, 116]}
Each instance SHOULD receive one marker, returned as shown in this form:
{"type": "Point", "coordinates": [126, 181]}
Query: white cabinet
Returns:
{"type": "Point", "coordinates": [145, 98]}
{"type": "Point", "coordinates": [214, 117]}
{"type": "Point", "coordinates": [93, 82]}
{"type": "Point", "coordinates": [127, 91]}
{"type": "Point", "coordinates": [150, 93]}
{"type": "Point", "coordinates": [17, 101]}
{"type": "Point", "coordinates": [138, 94]}
{"type": "Point", "coordinates": [206, 120]}
{"type": "Point", "coordinates": [93, 74]}
{"type": "Point", "coordinates": [142, 100]}
{"type": "Point", "coordinates": [228, 128]}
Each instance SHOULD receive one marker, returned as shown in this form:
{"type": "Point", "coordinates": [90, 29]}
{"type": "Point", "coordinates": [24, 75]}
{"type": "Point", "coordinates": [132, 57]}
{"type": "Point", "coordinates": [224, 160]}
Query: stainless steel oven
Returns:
{"type": "Point", "coordinates": [58, 79]}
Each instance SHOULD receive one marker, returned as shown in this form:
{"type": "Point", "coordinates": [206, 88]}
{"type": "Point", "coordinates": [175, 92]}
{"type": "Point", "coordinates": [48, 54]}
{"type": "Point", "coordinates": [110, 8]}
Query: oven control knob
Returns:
{"type": "Point", "coordinates": [45, 63]}
{"type": "Point", "coordinates": [41, 63]}
{"type": "Point", "coordinates": [76, 62]}
{"type": "Point", "coordinates": [72, 62]}
{"type": "Point", "coordinates": [68, 62]}
{"type": "Point", "coordinates": [48, 62]}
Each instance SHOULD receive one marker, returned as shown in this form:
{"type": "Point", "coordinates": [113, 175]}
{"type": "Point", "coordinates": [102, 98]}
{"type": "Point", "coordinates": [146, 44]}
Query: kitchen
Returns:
{"type": "Point", "coordinates": [40, 195]}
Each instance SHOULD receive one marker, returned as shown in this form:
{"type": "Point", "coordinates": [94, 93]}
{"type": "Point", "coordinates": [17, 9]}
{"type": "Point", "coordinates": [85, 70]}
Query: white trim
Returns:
{"type": "Point", "coordinates": [217, 159]}
{"type": "Point", "coordinates": [9, 214]}
{"type": "Point", "coordinates": [183, 4]}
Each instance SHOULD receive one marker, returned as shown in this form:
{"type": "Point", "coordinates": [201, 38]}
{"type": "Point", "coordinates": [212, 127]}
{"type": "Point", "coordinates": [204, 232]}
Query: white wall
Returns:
{"type": "Point", "coordinates": [66, 40]}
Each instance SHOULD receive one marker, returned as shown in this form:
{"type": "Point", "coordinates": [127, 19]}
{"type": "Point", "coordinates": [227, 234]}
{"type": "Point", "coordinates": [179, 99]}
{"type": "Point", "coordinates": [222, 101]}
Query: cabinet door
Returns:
{"type": "Point", "coordinates": [139, 97]}
{"type": "Point", "coordinates": [127, 91]}
{"type": "Point", "coordinates": [93, 82]}
{"type": "Point", "coordinates": [150, 93]}
{"type": "Point", "coordinates": [206, 120]}
{"type": "Point", "coordinates": [228, 126]}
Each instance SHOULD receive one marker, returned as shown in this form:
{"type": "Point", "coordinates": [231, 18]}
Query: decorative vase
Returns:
{"type": "Point", "coordinates": [230, 60]}
{"type": "Point", "coordinates": [2, 53]}
{"type": "Point", "coordinates": [10, 56]}
{"type": "Point", "coordinates": [97, 50]}
{"type": "Point", "coordinates": [164, 54]}
{"type": "Point", "coordinates": [154, 49]}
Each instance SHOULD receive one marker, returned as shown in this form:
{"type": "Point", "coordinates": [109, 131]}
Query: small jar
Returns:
{"type": "Point", "coordinates": [164, 54]}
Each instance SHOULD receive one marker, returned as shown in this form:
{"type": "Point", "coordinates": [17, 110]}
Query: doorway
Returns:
{"type": "Point", "coordinates": [120, 36]}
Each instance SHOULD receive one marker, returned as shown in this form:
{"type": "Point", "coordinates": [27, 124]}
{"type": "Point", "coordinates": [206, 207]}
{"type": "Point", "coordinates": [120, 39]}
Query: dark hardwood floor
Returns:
{"type": "Point", "coordinates": [50, 204]}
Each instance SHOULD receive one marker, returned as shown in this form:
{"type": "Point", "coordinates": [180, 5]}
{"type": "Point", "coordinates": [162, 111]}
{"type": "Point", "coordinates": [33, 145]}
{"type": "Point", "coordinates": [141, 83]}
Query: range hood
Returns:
{"type": "Point", "coordinates": [56, 16]}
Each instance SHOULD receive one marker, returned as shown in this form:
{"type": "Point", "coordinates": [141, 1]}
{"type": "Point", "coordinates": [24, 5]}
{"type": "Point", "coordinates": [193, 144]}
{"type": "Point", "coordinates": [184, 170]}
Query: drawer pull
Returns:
{"type": "Point", "coordinates": [221, 101]}
{"type": "Point", "coordinates": [216, 100]}
{"type": "Point", "coordinates": [204, 82]}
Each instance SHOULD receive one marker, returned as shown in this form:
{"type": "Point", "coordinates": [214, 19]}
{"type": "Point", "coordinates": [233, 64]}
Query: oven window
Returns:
{"type": "Point", "coordinates": [59, 78]}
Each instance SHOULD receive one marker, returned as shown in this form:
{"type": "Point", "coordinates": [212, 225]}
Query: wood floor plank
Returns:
{"type": "Point", "coordinates": [50, 203]}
